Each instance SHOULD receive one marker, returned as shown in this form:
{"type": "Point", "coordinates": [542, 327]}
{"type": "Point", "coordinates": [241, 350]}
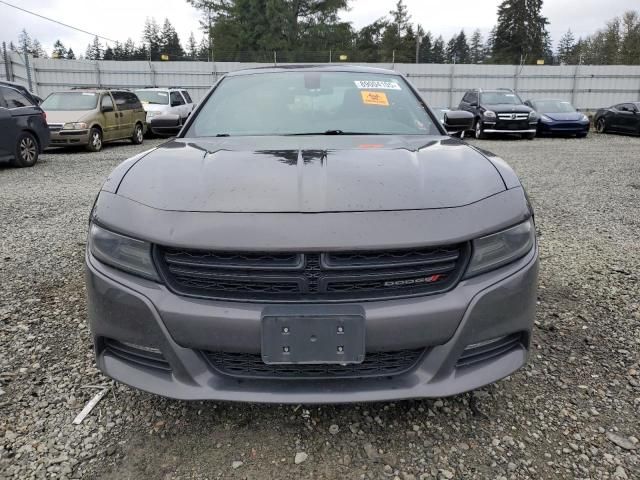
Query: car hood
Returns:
{"type": "Point", "coordinates": [311, 174]}
{"type": "Point", "coordinates": [64, 116]}
{"type": "Point", "coordinates": [504, 108]}
{"type": "Point", "coordinates": [567, 116]}
{"type": "Point", "coordinates": [154, 107]}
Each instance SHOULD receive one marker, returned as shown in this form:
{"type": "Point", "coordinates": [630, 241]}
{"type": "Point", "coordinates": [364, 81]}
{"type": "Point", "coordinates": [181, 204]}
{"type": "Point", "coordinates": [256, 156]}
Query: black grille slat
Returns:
{"type": "Point", "coordinates": [136, 355]}
{"type": "Point", "coordinates": [329, 276]}
{"type": "Point", "coordinates": [473, 355]}
{"type": "Point", "coordinates": [376, 364]}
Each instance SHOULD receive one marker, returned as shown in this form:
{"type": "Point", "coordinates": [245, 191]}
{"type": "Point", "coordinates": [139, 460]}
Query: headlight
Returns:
{"type": "Point", "coordinates": [75, 126]}
{"type": "Point", "coordinates": [544, 118]}
{"type": "Point", "coordinates": [584, 118]}
{"type": "Point", "coordinates": [153, 114]}
{"type": "Point", "coordinates": [124, 253]}
{"type": "Point", "coordinates": [533, 116]}
{"type": "Point", "coordinates": [489, 114]}
{"type": "Point", "coordinates": [500, 248]}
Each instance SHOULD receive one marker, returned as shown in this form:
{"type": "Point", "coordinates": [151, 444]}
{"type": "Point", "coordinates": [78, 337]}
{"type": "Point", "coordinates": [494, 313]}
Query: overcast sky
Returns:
{"type": "Point", "coordinates": [120, 19]}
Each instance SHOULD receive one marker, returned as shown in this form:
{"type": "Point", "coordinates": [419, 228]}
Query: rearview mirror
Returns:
{"type": "Point", "coordinates": [166, 125]}
{"type": "Point", "coordinates": [458, 121]}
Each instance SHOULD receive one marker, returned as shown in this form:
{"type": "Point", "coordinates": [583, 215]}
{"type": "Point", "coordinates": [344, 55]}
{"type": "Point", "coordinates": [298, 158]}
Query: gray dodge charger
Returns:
{"type": "Point", "coordinates": [312, 235]}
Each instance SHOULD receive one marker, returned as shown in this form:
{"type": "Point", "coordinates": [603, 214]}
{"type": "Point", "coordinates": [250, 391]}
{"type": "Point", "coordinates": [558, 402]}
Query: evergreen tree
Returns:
{"type": "Point", "coordinates": [426, 46]}
{"type": "Point", "coordinates": [170, 42]}
{"type": "Point", "coordinates": [192, 47]}
{"type": "Point", "coordinates": [567, 48]}
{"type": "Point", "coordinates": [369, 41]}
{"type": "Point", "coordinates": [630, 45]}
{"type": "Point", "coordinates": [438, 52]}
{"type": "Point", "coordinates": [94, 50]}
{"type": "Point", "coordinates": [108, 54]}
{"type": "Point", "coordinates": [70, 55]}
{"type": "Point", "coordinates": [59, 50]}
{"type": "Point", "coordinates": [612, 43]}
{"type": "Point", "coordinates": [129, 50]}
{"type": "Point", "coordinates": [476, 48]}
{"type": "Point", "coordinates": [394, 44]}
{"type": "Point", "coordinates": [521, 33]}
{"type": "Point", "coordinates": [36, 50]}
{"type": "Point", "coordinates": [151, 39]}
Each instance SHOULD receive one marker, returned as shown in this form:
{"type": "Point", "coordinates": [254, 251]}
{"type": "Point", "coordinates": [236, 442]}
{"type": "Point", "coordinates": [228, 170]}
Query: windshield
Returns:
{"type": "Point", "coordinates": [307, 103]}
{"type": "Point", "coordinates": [70, 101]}
{"type": "Point", "coordinates": [553, 106]}
{"type": "Point", "coordinates": [153, 96]}
{"type": "Point", "coordinates": [500, 98]}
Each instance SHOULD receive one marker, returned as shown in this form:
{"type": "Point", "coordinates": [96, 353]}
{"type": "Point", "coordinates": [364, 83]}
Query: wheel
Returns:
{"type": "Point", "coordinates": [601, 125]}
{"type": "Point", "coordinates": [479, 130]}
{"type": "Point", "coordinates": [95, 140]}
{"type": "Point", "coordinates": [138, 135]}
{"type": "Point", "coordinates": [27, 150]}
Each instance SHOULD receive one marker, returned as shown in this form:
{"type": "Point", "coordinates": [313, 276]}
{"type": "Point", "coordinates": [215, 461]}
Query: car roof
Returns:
{"type": "Point", "coordinates": [159, 89]}
{"type": "Point", "coordinates": [312, 68]}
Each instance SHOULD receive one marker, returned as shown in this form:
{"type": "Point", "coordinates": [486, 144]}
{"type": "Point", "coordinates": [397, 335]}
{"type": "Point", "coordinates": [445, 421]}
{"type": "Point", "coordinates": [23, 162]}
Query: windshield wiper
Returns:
{"type": "Point", "coordinates": [222, 135]}
{"type": "Point", "coordinates": [334, 132]}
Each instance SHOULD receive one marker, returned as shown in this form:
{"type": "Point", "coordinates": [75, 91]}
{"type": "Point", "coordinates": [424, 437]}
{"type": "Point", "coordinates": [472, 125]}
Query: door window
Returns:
{"type": "Point", "coordinates": [176, 99]}
{"type": "Point", "coordinates": [14, 99]}
{"type": "Point", "coordinates": [121, 100]}
{"type": "Point", "coordinates": [106, 101]}
{"type": "Point", "coordinates": [133, 102]}
{"type": "Point", "coordinates": [186, 96]}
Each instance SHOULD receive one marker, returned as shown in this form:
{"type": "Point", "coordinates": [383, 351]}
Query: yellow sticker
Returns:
{"type": "Point", "coordinates": [374, 98]}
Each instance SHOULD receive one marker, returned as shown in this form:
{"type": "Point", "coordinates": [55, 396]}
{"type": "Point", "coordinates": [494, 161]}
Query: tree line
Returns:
{"type": "Point", "coordinates": [311, 30]}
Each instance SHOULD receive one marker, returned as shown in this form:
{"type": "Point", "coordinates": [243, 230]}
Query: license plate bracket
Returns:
{"type": "Point", "coordinates": [313, 338]}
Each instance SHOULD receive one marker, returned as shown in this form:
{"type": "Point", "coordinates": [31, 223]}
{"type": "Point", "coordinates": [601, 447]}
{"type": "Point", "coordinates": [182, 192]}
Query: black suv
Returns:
{"type": "Point", "coordinates": [499, 111]}
{"type": "Point", "coordinates": [23, 124]}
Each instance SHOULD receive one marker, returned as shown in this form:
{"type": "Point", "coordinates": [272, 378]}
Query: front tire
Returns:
{"type": "Point", "coordinates": [479, 130]}
{"type": "Point", "coordinates": [601, 125]}
{"type": "Point", "coordinates": [138, 135]}
{"type": "Point", "coordinates": [26, 151]}
{"type": "Point", "coordinates": [95, 140]}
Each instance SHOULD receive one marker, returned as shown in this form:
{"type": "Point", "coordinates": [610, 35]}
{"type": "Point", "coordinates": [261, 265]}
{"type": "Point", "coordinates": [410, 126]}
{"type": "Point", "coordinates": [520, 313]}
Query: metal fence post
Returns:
{"type": "Point", "coordinates": [574, 88]}
{"type": "Point", "coordinates": [515, 78]}
{"type": "Point", "coordinates": [27, 66]}
{"type": "Point", "coordinates": [98, 79]}
{"type": "Point", "coordinates": [451, 80]}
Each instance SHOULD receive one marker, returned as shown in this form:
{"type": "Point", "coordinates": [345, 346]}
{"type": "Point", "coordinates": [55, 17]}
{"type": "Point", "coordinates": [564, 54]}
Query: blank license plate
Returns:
{"type": "Point", "coordinates": [314, 339]}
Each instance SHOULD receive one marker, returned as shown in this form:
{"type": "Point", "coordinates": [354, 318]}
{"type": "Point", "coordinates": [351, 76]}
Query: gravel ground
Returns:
{"type": "Point", "coordinates": [573, 412]}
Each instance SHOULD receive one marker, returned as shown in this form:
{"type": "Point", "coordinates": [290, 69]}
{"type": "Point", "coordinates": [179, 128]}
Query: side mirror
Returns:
{"type": "Point", "coordinates": [106, 108]}
{"type": "Point", "coordinates": [458, 121]}
{"type": "Point", "coordinates": [175, 104]}
{"type": "Point", "coordinates": [166, 125]}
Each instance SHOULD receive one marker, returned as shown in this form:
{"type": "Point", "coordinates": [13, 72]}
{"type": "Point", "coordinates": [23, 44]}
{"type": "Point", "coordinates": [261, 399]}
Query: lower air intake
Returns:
{"type": "Point", "coordinates": [483, 351]}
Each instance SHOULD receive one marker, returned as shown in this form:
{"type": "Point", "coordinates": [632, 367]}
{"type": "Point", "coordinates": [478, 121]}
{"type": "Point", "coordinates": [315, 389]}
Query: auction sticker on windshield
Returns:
{"type": "Point", "coordinates": [374, 98]}
{"type": "Point", "coordinates": [379, 84]}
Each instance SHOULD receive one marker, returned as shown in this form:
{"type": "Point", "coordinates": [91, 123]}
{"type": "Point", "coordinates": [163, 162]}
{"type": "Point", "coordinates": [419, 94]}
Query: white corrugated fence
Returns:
{"type": "Point", "coordinates": [588, 87]}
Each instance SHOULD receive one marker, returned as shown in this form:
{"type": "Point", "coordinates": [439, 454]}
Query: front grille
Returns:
{"type": "Point", "coordinates": [376, 364]}
{"type": "Point", "coordinates": [513, 116]}
{"type": "Point", "coordinates": [481, 352]}
{"type": "Point", "coordinates": [332, 276]}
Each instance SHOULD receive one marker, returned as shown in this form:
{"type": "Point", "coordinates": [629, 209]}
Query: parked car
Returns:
{"type": "Point", "coordinates": [23, 90]}
{"type": "Point", "coordinates": [499, 111]}
{"type": "Point", "coordinates": [161, 101]}
{"type": "Point", "coordinates": [312, 235]}
{"type": "Point", "coordinates": [621, 118]}
{"type": "Point", "coordinates": [23, 125]}
{"type": "Point", "coordinates": [91, 117]}
{"type": "Point", "coordinates": [559, 117]}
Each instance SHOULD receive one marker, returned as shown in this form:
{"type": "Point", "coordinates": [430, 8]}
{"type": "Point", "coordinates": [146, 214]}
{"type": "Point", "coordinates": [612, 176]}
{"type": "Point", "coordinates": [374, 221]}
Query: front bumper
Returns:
{"type": "Point", "coordinates": [69, 137]}
{"type": "Point", "coordinates": [129, 309]}
{"type": "Point", "coordinates": [506, 126]}
{"type": "Point", "coordinates": [563, 128]}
